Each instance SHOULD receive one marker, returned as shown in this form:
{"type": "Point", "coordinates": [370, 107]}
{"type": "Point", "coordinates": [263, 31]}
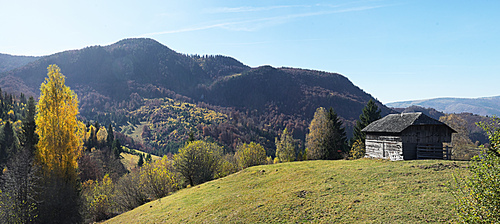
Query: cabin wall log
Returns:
{"type": "Point", "coordinates": [403, 146]}
{"type": "Point", "coordinates": [385, 147]}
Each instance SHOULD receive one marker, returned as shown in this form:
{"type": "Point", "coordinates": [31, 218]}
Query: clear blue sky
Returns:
{"type": "Point", "coordinates": [394, 50]}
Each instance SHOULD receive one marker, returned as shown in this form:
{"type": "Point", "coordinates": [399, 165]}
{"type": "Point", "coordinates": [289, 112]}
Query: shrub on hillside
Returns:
{"type": "Point", "coordinates": [198, 162]}
{"type": "Point", "coordinates": [285, 147]}
{"type": "Point", "coordinates": [130, 193]}
{"type": "Point", "coordinates": [357, 150]}
{"type": "Point", "coordinates": [478, 195]}
{"type": "Point", "coordinates": [250, 155]}
{"type": "Point", "coordinates": [229, 165]}
{"type": "Point", "coordinates": [98, 198]}
{"type": "Point", "coordinates": [159, 178]}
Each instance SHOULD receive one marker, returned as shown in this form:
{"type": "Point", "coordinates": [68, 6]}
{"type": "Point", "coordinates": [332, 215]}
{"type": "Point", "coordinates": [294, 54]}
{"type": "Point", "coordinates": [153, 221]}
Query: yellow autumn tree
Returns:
{"type": "Point", "coordinates": [463, 148]}
{"type": "Point", "coordinates": [102, 134]}
{"type": "Point", "coordinates": [60, 132]}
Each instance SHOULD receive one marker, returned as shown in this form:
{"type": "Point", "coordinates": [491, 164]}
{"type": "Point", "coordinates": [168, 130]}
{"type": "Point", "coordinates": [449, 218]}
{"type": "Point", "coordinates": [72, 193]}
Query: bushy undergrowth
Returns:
{"type": "Point", "coordinates": [196, 163]}
{"type": "Point", "coordinates": [105, 198]}
{"type": "Point", "coordinates": [478, 196]}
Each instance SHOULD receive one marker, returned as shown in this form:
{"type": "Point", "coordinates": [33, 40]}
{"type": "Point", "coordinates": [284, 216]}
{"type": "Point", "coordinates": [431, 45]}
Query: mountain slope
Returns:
{"type": "Point", "coordinates": [112, 81]}
{"type": "Point", "coordinates": [290, 91]}
{"type": "Point", "coordinates": [118, 70]}
{"type": "Point", "coordinates": [482, 106]}
{"type": "Point", "coordinates": [9, 62]}
{"type": "Point", "coordinates": [431, 112]}
{"type": "Point", "coordinates": [152, 70]}
{"type": "Point", "coordinates": [344, 191]}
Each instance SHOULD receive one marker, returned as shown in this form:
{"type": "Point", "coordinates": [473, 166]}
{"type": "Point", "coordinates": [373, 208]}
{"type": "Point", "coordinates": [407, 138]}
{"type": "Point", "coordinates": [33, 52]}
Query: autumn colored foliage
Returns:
{"type": "Point", "coordinates": [285, 147]}
{"type": "Point", "coordinates": [198, 162]}
{"type": "Point", "coordinates": [251, 154]}
{"type": "Point", "coordinates": [60, 132]}
{"type": "Point", "coordinates": [478, 194]}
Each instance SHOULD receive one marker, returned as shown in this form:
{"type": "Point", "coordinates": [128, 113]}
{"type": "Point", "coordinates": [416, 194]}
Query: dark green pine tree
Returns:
{"type": "Point", "coordinates": [337, 140]}
{"type": "Point", "coordinates": [97, 126]}
{"type": "Point", "coordinates": [92, 140]}
{"type": "Point", "coordinates": [141, 160]}
{"type": "Point", "coordinates": [117, 148]}
{"type": "Point", "coordinates": [22, 98]}
{"type": "Point", "coordinates": [8, 144]}
{"type": "Point", "coordinates": [20, 180]}
{"type": "Point", "coordinates": [28, 138]}
{"type": "Point", "coordinates": [111, 136]}
{"type": "Point", "coordinates": [370, 113]}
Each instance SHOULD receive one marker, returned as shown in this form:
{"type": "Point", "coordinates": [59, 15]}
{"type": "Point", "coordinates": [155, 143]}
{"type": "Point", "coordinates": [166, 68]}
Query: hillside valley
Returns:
{"type": "Point", "coordinates": [184, 121]}
{"type": "Point", "coordinates": [112, 81]}
{"type": "Point", "coordinates": [141, 86]}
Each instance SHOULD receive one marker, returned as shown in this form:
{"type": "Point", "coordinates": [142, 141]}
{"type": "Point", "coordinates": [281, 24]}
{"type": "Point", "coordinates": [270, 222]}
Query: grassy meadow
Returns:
{"type": "Point", "coordinates": [130, 160]}
{"type": "Point", "coordinates": [343, 191]}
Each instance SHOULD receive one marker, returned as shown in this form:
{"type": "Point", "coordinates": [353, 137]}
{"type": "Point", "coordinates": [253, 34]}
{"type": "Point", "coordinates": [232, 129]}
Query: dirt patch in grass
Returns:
{"type": "Point", "coordinates": [441, 166]}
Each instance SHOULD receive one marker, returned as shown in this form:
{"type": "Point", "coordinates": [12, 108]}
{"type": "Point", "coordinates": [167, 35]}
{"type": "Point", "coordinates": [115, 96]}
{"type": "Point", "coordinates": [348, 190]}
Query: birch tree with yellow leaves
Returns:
{"type": "Point", "coordinates": [60, 132]}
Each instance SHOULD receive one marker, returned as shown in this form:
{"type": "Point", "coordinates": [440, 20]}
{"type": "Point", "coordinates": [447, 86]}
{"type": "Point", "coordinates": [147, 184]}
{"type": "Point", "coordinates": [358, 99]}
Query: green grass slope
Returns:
{"type": "Point", "coordinates": [360, 191]}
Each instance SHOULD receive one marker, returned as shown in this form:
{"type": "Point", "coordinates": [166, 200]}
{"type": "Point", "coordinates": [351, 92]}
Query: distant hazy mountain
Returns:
{"type": "Point", "coordinates": [9, 62]}
{"type": "Point", "coordinates": [431, 112]}
{"type": "Point", "coordinates": [482, 106]}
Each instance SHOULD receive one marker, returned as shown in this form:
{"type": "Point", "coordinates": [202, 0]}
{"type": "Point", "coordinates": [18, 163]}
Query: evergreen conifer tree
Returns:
{"type": "Point", "coordinates": [111, 137]}
{"type": "Point", "coordinates": [148, 158]}
{"type": "Point", "coordinates": [8, 144]}
{"type": "Point", "coordinates": [141, 160]}
{"type": "Point", "coordinates": [337, 141]}
{"type": "Point", "coordinates": [28, 137]}
{"type": "Point", "coordinates": [116, 147]}
{"type": "Point", "coordinates": [370, 113]}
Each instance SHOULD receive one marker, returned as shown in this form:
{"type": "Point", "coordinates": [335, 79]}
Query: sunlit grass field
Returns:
{"type": "Point", "coordinates": [130, 160]}
{"type": "Point", "coordinates": [343, 191]}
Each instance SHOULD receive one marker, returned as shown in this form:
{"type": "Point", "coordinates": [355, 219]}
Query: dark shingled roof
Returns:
{"type": "Point", "coordinates": [396, 123]}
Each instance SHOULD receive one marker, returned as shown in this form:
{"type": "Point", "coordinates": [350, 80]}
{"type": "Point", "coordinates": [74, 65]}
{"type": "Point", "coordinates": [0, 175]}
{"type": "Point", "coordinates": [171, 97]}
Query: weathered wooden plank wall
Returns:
{"type": "Point", "coordinates": [386, 147]}
{"type": "Point", "coordinates": [395, 147]}
{"type": "Point", "coordinates": [426, 134]}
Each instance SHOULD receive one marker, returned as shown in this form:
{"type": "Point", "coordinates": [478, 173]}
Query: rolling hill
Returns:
{"type": "Point", "coordinates": [482, 106]}
{"type": "Point", "coordinates": [344, 191]}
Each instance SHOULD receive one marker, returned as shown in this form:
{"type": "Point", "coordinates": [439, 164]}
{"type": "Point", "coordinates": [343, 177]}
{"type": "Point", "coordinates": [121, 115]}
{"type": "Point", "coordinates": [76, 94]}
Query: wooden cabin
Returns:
{"type": "Point", "coordinates": [408, 136]}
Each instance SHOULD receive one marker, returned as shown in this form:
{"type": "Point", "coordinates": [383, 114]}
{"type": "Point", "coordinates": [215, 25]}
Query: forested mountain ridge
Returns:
{"type": "Point", "coordinates": [9, 62]}
{"type": "Point", "coordinates": [117, 70]}
{"type": "Point", "coordinates": [112, 81]}
{"type": "Point", "coordinates": [290, 90]}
